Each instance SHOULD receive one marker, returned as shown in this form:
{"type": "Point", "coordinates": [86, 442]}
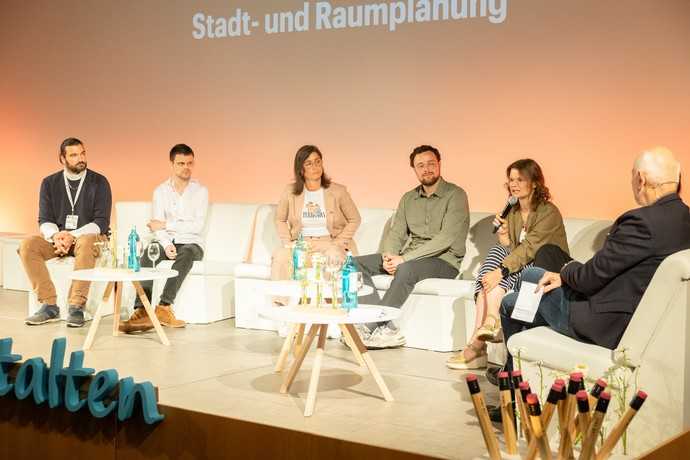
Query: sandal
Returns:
{"type": "Point", "coordinates": [459, 361]}
{"type": "Point", "coordinates": [490, 332]}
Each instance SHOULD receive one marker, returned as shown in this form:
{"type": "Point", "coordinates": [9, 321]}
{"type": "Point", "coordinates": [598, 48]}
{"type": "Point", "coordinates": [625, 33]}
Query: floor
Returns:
{"type": "Point", "coordinates": [226, 371]}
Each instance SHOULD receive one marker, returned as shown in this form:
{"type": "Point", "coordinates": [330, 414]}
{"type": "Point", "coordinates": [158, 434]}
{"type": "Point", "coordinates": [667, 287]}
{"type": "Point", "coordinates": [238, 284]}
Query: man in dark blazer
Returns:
{"type": "Point", "coordinates": [594, 301]}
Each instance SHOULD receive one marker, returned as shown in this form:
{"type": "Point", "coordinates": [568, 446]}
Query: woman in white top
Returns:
{"type": "Point", "coordinates": [321, 210]}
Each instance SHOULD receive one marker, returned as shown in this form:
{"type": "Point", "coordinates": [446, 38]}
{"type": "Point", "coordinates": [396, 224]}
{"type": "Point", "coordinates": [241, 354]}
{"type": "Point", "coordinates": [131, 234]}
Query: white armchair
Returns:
{"type": "Point", "coordinates": [655, 350]}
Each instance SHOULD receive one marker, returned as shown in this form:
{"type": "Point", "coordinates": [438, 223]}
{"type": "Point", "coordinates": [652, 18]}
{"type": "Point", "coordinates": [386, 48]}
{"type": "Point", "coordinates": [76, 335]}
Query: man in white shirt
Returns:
{"type": "Point", "coordinates": [179, 212]}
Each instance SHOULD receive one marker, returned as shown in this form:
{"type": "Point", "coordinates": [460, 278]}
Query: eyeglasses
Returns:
{"type": "Point", "coordinates": [428, 165]}
{"type": "Point", "coordinates": [313, 164]}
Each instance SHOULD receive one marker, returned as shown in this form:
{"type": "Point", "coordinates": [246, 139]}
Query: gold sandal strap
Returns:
{"type": "Point", "coordinates": [475, 348]}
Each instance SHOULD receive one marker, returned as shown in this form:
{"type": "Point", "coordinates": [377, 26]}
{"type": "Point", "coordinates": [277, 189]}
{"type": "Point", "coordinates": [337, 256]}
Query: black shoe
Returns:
{"type": "Point", "coordinates": [46, 314]}
{"type": "Point", "coordinates": [75, 317]}
{"type": "Point", "coordinates": [492, 375]}
{"type": "Point", "coordinates": [494, 414]}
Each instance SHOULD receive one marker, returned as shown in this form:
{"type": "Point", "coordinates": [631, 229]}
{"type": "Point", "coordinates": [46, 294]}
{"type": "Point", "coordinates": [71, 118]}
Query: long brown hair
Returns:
{"type": "Point", "coordinates": [300, 157]}
{"type": "Point", "coordinates": [530, 170]}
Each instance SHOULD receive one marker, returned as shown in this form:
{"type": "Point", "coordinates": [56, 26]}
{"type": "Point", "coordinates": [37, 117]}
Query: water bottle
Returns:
{"type": "Point", "coordinates": [299, 258]}
{"type": "Point", "coordinates": [133, 262]}
{"type": "Point", "coordinates": [349, 280]}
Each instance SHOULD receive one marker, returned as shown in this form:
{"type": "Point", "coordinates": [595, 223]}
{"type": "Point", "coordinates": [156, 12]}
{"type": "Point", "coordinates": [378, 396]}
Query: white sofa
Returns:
{"type": "Point", "coordinates": [207, 293]}
{"type": "Point", "coordinates": [240, 239]}
{"type": "Point", "coordinates": [12, 274]}
{"type": "Point", "coordinates": [439, 315]}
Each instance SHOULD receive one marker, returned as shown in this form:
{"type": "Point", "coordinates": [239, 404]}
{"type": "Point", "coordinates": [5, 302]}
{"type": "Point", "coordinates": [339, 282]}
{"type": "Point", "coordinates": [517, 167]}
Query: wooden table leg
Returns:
{"type": "Point", "coordinates": [299, 359]}
{"type": "Point", "coordinates": [299, 338]}
{"type": "Point", "coordinates": [151, 312]}
{"type": "Point", "coordinates": [285, 351]}
{"type": "Point", "coordinates": [116, 307]}
{"type": "Point", "coordinates": [316, 371]}
{"type": "Point", "coordinates": [97, 318]}
{"type": "Point", "coordinates": [351, 344]}
{"type": "Point", "coordinates": [369, 362]}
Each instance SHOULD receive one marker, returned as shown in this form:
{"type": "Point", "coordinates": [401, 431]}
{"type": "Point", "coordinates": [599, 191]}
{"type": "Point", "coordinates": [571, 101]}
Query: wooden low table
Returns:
{"type": "Point", "coordinates": [320, 319]}
{"type": "Point", "coordinates": [115, 277]}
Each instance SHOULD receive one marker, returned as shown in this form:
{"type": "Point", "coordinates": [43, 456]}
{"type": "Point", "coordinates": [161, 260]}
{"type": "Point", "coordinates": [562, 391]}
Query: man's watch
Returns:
{"type": "Point", "coordinates": [504, 271]}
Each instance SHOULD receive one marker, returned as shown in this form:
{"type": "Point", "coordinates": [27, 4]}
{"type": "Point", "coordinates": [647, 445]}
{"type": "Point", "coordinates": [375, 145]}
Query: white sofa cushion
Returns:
{"type": "Point", "coordinates": [372, 230]}
{"type": "Point", "coordinates": [253, 271]}
{"type": "Point", "coordinates": [226, 235]}
{"type": "Point", "coordinates": [557, 351]}
{"type": "Point", "coordinates": [206, 267]}
{"type": "Point", "coordinates": [432, 286]}
{"type": "Point", "coordinates": [264, 237]}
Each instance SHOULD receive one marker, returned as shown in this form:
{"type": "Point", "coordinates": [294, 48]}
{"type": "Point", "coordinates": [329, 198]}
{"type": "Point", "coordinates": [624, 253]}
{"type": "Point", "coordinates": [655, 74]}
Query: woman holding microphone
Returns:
{"type": "Point", "coordinates": [531, 223]}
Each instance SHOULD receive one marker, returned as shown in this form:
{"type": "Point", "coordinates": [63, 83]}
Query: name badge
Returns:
{"type": "Point", "coordinates": [71, 222]}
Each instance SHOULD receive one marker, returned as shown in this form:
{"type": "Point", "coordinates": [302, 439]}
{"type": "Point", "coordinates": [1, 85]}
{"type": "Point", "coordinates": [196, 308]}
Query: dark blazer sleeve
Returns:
{"type": "Point", "coordinates": [629, 243]}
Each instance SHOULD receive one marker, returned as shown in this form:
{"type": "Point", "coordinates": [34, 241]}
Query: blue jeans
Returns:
{"type": "Point", "coordinates": [554, 311]}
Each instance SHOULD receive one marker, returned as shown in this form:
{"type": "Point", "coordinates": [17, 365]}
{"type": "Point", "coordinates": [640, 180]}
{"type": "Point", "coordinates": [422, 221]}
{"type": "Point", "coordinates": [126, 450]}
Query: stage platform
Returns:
{"type": "Point", "coordinates": [220, 370]}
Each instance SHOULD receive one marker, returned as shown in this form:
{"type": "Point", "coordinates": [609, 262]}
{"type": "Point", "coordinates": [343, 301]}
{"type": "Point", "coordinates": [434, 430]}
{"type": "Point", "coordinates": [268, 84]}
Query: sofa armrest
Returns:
{"type": "Point", "coordinates": [252, 271]}
{"type": "Point", "coordinates": [664, 300]}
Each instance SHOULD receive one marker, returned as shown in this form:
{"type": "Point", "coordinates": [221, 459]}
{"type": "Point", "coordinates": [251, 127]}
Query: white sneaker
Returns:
{"type": "Point", "coordinates": [385, 337]}
{"type": "Point", "coordinates": [363, 331]}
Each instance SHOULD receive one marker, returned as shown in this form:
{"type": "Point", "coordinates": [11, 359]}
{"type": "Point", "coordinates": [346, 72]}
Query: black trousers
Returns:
{"type": "Point", "coordinates": [406, 276]}
{"type": "Point", "coordinates": [186, 255]}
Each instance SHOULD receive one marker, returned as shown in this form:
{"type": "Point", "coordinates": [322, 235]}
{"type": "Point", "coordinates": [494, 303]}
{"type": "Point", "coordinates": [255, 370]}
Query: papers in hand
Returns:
{"type": "Point", "coordinates": [527, 302]}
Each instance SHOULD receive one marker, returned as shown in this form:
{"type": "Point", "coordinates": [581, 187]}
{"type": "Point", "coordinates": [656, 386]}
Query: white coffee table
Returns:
{"type": "Point", "coordinates": [319, 320]}
{"type": "Point", "coordinates": [292, 290]}
{"type": "Point", "coordinates": [115, 277]}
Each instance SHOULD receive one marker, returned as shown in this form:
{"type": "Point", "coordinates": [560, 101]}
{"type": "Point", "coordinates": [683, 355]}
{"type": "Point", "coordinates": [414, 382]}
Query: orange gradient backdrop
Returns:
{"type": "Point", "coordinates": [579, 85]}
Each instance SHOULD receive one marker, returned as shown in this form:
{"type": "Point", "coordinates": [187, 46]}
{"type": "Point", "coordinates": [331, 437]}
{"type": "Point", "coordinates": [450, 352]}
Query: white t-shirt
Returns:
{"type": "Point", "coordinates": [522, 236]}
{"type": "Point", "coordinates": [314, 214]}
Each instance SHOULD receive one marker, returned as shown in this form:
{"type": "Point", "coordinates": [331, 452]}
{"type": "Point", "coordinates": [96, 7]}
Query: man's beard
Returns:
{"type": "Point", "coordinates": [76, 169]}
{"type": "Point", "coordinates": [428, 182]}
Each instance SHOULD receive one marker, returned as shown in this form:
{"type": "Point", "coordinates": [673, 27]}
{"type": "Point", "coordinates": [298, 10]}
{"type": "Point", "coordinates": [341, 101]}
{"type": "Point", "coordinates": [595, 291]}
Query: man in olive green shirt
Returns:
{"type": "Point", "coordinates": [426, 240]}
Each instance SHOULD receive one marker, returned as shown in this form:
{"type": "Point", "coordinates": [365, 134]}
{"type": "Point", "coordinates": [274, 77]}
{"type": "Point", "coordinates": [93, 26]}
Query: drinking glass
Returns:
{"type": "Point", "coordinates": [103, 251]}
{"type": "Point", "coordinates": [360, 281]}
{"type": "Point", "coordinates": [154, 252]}
{"type": "Point", "coordinates": [333, 267]}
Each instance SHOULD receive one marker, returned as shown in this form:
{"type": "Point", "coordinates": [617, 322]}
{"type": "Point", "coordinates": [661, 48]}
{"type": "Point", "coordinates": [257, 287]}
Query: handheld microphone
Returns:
{"type": "Point", "coordinates": [512, 201]}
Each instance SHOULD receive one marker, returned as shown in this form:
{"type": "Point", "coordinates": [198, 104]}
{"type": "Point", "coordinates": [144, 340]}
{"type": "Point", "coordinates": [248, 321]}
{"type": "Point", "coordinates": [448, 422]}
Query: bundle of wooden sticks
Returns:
{"type": "Point", "coordinates": [579, 414]}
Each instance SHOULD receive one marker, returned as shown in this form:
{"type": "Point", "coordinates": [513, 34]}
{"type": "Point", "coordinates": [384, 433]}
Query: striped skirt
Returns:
{"type": "Point", "coordinates": [492, 262]}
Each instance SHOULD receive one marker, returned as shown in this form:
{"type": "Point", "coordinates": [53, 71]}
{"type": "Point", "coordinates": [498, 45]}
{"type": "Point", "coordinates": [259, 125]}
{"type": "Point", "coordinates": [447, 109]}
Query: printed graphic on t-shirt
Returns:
{"type": "Point", "coordinates": [314, 214]}
{"type": "Point", "coordinates": [313, 211]}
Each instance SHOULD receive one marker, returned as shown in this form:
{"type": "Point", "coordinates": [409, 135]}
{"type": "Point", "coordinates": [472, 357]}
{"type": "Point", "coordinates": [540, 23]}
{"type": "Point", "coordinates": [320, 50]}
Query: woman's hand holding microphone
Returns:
{"type": "Point", "coordinates": [502, 233]}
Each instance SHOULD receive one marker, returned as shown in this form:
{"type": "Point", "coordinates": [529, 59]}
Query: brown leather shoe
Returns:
{"type": "Point", "coordinates": [167, 318]}
{"type": "Point", "coordinates": [138, 322]}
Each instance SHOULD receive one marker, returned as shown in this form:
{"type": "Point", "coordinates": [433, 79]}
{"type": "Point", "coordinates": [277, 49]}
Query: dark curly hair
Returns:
{"type": "Point", "coordinates": [530, 170]}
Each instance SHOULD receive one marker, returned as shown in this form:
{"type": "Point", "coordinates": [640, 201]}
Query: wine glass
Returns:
{"type": "Point", "coordinates": [102, 260]}
{"type": "Point", "coordinates": [333, 266]}
{"type": "Point", "coordinates": [154, 252]}
{"type": "Point", "coordinates": [359, 282]}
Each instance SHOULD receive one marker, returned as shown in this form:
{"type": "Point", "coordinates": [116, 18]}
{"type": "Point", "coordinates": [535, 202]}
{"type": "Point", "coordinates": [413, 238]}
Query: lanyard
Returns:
{"type": "Point", "coordinates": [69, 193]}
